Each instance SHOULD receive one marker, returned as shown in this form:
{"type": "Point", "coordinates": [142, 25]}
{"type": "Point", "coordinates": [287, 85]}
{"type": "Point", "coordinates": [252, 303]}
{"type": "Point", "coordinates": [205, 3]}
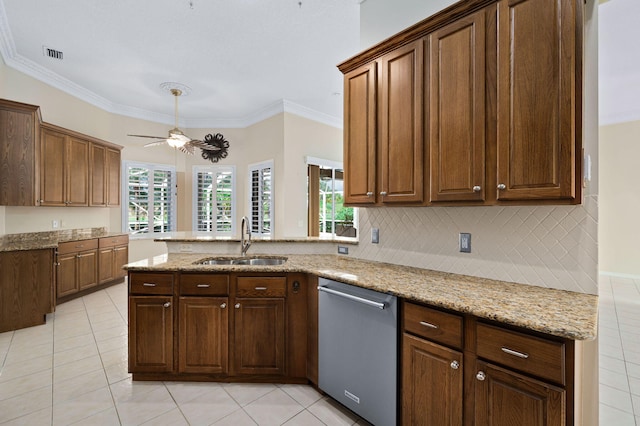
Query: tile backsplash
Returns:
{"type": "Point", "coordinates": [548, 246]}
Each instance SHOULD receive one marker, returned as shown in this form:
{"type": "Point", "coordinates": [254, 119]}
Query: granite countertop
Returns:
{"type": "Point", "coordinates": [51, 239]}
{"type": "Point", "coordinates": [195, 237]}
{"type": "Point", "coordinates": [556, 312]}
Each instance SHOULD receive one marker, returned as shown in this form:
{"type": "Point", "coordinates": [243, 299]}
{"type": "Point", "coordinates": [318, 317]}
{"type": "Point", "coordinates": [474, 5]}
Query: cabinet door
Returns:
{"type": "Point", "coordinates": [401, 125]}
{"type": "Point", "coordinates": [121, 258]}
{"type": "Point", "coordinates": [52, 157]}
{"type": "Point", "coordinates": [77, 172]}
{"type": "Point", "coordinates": [203, 337]}
{"type": "Point", "coordinates": [360, 135]}
{"type": "Point", "coordinates": [503, 397]}
{"type": "Point", "coordinates": [87, 269]}
{"type": "Point", "coordinates": [98, 181]}
{"type": "Point", "coordinates": [259, 336]}
{"type": "Point", "coordinates": [538, 99]}
{"type": "Point", "coordinates": [456, 110]}
{"type": "Point", "coordinates": [150, 334]}
{"type": "Point", "coordinates": [113, 177]}
{"type": "Point", "coordinates": [432, 383]}
{"type": "Point", "coordinates": [66, 282]}
{"type": "Point", "coordinates": [106, 263]}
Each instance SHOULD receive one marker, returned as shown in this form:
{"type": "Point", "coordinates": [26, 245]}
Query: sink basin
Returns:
{"type": "Point", "coordinates": [242, 261]}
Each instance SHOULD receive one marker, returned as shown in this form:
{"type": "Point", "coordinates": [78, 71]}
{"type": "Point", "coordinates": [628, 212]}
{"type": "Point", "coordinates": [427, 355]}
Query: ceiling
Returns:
{"type": "Point", "coordinates": [242, 60]}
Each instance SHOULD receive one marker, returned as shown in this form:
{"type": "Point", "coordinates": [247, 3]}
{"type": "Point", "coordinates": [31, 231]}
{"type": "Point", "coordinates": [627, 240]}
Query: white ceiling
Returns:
{"type": "Point", "coordinates": [242, 59]}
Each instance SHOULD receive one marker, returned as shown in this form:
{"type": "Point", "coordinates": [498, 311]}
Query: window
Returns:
{"type": "Point", "coordinates": [328, 216]}
{"type": "Point", "coordinates": [150, 197]}
{"type": "Point", "coordinates": [214, 200]}
{"type": "Point", "coordinates": [261, 202]}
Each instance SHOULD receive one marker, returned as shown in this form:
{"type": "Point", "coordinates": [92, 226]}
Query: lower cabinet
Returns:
{"type": "Point", "coordinates": [77, 267]}
{"type": "Point", "coordinates": [113, 254]}
{"type": "Point", "coordinates": [459, 370]}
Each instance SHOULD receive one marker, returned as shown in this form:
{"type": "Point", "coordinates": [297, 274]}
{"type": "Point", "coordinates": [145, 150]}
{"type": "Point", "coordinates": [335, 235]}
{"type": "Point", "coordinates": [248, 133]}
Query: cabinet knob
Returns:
{"type": "Point", "coordinates": [167, 304]}
{"type": "Point", "coordinates": [224, 305]}
{"type": "Point", "coordinates": [502, 186]}
{"type": "Point", "coordinates": [237, 306]}
{"type": "Point", "coordinates": [383, 193]}
{"type": "Point", "coordinates": [369, 194]}
{"type": "Point", "coordinates": [481, 376]}
{"type": "Point", "coordinates": [455, 365]}
{"type": "Point", "coordinates": [477, 188]}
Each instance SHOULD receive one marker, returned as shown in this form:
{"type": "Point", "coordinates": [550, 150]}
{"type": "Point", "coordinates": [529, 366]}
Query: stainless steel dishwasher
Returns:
{"type": "Point", "coordinates": [358, 349]}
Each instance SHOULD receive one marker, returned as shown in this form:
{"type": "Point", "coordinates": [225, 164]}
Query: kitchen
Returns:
{"type": "Point", "coordinates": [399, 242]}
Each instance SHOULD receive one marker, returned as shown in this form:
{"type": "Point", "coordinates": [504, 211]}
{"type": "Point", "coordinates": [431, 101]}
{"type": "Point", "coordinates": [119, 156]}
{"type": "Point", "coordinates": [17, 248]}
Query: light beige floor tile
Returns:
{"type": "Point", "coordinates": [75, 387]}
{"type": "Point", "coordinates": [275, 408]}
{"type": "Point", "coordinates": [612, 364]}
{"type": "Point", "coordinates": [186, 391]}
{"type": "Point", "coordinates": [74, 369]}
{"type": "Point", "coordinates": [114, 343]}
{"type": "Point", "coordinates": [614, 417]}
{"type": "Point", "coordinates": [20, 354]}
{"type": "Point", "coordinates": [304, 418]}
{"type": "Point", "coordinates": [209, 407]}
{"type": "Point", "coordinates": [110, 315]}
{"type": "Point", "coordinates": [109, 333]}
{"type": "Point", "coordinates": [634, 386]}
{"type": "Point", "coordinates": [24, 404]}
{"type": "Point", "coordinates": [41, 417]}
{"type": "Point", "coordinates": [117, 372]}
{"type": "Point", "coordinates": [245, 393]}
{"type": "Point", "coordinates": [115, 356]}
{"type": "Point", "coordinates": [237, 418]}
{"type": "Point", "coordinates": [70, 307]}
{"type": "Point", "coordinates": [86, 405]}
{"type": "Point", "coordinates": [633, 370]}
{"type": "Point", "coordinates": [332, 413]}
{"type": "Point", "coordinates": [615, 380]}
{"type": "Point", "coordinates": [615, 398]}
{"type": "Point", "coordinates": [108, 417]}
{"type": "Point", "coordinates": [14, 370]}
{"type": "Point", "coordinates": [129, 390]}
{"type": "Point", "coordinates": [170, 418]}
{"type": "Point", "coordinates": [303, 394]}
{"type": "Point", "coordinates": [25, 384]}
{"type": "Point", "coordinates": [74, 355]}
{"type": "Point", "coordinates": [142, 407]}
{"type": "Point", "coordinates": [62, 345]}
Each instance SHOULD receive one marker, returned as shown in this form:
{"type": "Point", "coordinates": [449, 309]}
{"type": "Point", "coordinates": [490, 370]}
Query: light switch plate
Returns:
{"type": "Point", "coordinates": [343, 250]}
{"type": "Point", "coordinates": [465, 242]}
{"type": "Point", "coordinates": [375, 235]}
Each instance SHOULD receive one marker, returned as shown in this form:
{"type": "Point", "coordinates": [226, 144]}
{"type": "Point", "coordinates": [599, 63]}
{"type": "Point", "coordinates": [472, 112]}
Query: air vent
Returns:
{"type": "Point", "coordinates": [52, 53]}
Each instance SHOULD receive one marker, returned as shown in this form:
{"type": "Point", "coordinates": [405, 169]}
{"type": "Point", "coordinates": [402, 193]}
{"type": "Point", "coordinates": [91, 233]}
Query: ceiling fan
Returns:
{"type": "Point", "coordinates": [213, 147]}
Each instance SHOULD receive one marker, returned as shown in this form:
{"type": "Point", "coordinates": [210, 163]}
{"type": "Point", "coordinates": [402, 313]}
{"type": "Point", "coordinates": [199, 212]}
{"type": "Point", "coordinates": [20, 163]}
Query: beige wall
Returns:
{"type": "Point", "coordinates": [619, 199]}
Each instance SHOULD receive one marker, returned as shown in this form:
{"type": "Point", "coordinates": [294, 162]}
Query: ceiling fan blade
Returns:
{"type": "Point", "coordinates": [202, 145]}
{"type": "Point", "coordinates": [147, 136]}
{"type": "Point", "coordinates": [155, 143]}
{"type": "Point", "coordinates": [187, 148]}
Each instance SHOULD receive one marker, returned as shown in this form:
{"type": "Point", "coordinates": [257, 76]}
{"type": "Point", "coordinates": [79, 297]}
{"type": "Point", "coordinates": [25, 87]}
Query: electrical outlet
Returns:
{"type": "Point", "coordinates": [375, 235]}
{"type": "Point", "coordinates": [465, 242]}
{"type": "Point", "coordinates": [186, 248]}
{"type": "Point", "coordinates": [55, 224]}
{"type": "Point", "coordinates": [343, 250]}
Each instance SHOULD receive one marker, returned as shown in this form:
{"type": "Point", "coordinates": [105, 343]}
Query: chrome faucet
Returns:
{"type": "Point", "coordinates": [245, 230]}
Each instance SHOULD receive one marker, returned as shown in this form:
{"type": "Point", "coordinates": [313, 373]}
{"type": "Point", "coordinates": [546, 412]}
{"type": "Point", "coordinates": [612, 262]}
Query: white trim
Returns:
{"type": "Point", "coordinates": [194, 198]}
{"type": "Point", "coordinates": [322, 162]}
{"type": "Point", "coordinates": [259, 166]}
{"type": "Point", "coordinates": [619, 275]}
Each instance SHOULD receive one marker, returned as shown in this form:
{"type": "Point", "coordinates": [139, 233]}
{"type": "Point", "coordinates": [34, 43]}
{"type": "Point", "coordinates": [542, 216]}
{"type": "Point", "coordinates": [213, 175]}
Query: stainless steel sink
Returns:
{"type": "Point", "coordinates": [242, 261]}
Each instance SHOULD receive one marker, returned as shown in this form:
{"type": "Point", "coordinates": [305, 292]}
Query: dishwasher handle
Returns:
{"type": "Point", "coordinates": [358, 299]}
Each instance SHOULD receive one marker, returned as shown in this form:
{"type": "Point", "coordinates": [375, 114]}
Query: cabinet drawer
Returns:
{"type": "Point", "coordinates": [204, 284]}
{"type": "Point", "coordinates": [75, 246]}
{"type": "Point", "coordinates": [119, 240]}
{"type": "Point", "coordinates": [434, 325]}
{"type": "Point", "coordinates": [151, 283]}
{"type": "Point", "coordinates": [541, 357]}
{"type": "Point", "coordinates": [261, 286]}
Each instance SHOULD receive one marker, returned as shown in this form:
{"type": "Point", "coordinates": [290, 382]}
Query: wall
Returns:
{"type": "Point", "coordinates": [619, 199]}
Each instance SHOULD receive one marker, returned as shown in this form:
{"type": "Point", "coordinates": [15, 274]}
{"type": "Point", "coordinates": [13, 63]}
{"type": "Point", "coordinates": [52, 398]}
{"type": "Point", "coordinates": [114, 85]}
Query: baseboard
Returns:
{"type": "Point", "coordinates": [619, 275]}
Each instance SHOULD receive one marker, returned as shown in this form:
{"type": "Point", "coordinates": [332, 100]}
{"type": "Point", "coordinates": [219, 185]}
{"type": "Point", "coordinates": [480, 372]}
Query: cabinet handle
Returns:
{"type": "Point", "coordinates": [481, 376]}
{"type": "Point", "coordinates": [224, 305]}
{"type": "Point", "coordinates": [261, 288]}
{"type": "Point", "coordinates": [167, 304]}
{"type": "Point", "coordinates": [148, 284]}
{"type": "Point", "coordinates": [203, 285]}
{"type": "Point", "coordinates": [515, 353]}
{"type": "Point", "coordinates": [428, 324]}
{"type": "Point", "coordinates": [455, 365]}
{"type": "Point", "coordinates": [383, 193]}
{"type": "Point", "coordinates": [237, 306]}
{"type": "Point", "coordinates": [502, 186]}
{"type": "Point", "coordinates": [477, 188]}
{"type": "Point", "coordinates": [369, 194]}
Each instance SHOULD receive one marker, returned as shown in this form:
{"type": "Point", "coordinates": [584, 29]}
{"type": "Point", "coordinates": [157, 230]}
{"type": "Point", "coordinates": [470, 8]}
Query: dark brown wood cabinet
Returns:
{"type": "Point", "coordinates": [151, 323]}
{"type": "Point", "coordinates": [25, 288]}
{"type": "Point", "coordinates": [105, 176]}
{"type": "Point", "coordinates": [77, 267]}
{"type": "Point", "coordinates": [113, 254]}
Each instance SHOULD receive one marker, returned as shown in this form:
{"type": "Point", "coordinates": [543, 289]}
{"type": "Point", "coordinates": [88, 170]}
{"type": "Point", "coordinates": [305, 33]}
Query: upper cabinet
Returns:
{"type": "Point", "coordinates": [47, 165]}
{"type": "Point", "coordinates": [479, 104]}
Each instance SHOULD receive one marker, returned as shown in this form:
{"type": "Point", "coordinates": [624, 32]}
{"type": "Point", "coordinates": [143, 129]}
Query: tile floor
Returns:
{"type": "Point", "coordinates": [73, 370]}
{"type": "Point", "coordinates": [619, 347]}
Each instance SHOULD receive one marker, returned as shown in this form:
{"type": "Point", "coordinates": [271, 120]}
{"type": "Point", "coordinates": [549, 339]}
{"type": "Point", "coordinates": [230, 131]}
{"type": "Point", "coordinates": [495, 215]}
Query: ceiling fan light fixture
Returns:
{"type": "Point", "coordinates": [176, 143]}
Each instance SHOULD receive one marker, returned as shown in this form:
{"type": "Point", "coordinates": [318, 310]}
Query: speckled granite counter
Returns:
{"type": "Point", "coordinates": [50, 239]}
{"type": "Point", "coordinates": [555, 312]}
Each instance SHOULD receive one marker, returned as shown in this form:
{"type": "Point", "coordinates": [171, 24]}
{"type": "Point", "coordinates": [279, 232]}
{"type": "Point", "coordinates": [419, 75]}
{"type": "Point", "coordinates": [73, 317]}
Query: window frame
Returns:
{"type": "Point", "coordinates": [195, 196]}
{"type": "Point", "coordinates": [260, 167]}
{"type": "Point", "coordinates": [151, 167]}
